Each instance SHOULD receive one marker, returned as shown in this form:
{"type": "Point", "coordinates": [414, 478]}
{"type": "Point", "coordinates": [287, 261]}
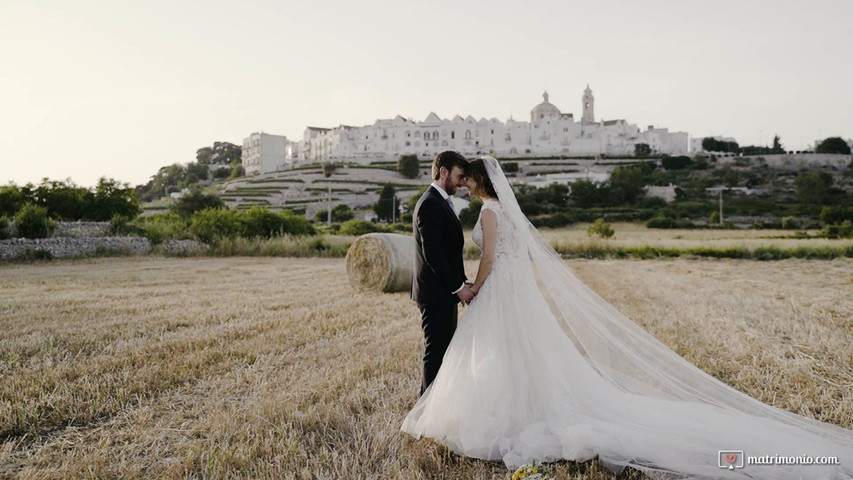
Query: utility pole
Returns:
{"type": "Point", "coordinates": [329, 212]}
{"type": "Point", "coordinates": [721, 206]}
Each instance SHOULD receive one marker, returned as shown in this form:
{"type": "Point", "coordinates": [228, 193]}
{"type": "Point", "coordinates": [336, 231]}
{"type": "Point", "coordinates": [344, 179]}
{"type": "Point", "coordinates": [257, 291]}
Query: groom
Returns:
{"type": "Point", "coordinates": [439, 282]}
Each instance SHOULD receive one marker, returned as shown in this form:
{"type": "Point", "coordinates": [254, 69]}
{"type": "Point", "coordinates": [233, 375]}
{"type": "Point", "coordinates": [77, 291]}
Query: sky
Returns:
{"type": "Point", "coordinates": [92, 88]}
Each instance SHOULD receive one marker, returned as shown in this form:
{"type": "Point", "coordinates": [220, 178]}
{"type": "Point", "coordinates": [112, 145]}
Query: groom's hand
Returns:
{"type": "Point", "coordinates": [466, 295]}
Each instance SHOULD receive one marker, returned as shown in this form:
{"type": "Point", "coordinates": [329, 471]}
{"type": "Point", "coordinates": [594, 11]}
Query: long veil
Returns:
{"type": "Point", "coordinates": [634, 361]}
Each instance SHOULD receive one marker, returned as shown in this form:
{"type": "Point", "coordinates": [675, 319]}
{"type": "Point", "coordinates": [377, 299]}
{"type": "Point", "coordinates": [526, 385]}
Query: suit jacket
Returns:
{"type": "Point", "coordinates": [439, 270]}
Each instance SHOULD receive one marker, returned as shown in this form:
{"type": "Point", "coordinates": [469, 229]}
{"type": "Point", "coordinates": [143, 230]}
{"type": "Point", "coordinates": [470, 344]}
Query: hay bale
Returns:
{"type": "Point", "coordinates": [381, 261]}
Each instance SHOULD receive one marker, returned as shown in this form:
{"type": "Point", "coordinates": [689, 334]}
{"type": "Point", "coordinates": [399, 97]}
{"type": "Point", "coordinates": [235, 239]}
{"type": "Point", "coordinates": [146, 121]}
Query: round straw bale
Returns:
{"type": "Point", "coordinates": [381, 261]}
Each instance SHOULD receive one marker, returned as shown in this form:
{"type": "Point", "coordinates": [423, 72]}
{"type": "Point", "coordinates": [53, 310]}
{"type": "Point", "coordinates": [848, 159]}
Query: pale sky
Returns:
{"type": "Point", "coordinates": [120, 88]}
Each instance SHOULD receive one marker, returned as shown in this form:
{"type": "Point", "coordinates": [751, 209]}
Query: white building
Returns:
{"type": "Point", "coordinates": [548, 133]}
{"type": "Point", "coordinates": [263, 153]}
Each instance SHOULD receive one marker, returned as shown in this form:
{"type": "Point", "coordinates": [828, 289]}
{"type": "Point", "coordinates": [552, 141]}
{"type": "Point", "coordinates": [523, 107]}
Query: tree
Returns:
{"type": "Point", "coordinates": [198, 170]}
{"type": "Point", "coordinates": [713, 145]}
{"type": "Point", "coordinates": [585, 193]}
{"type": "Point", "coordinates": [63, 200]}
{"type": "Point", "coordinates": [777, 145]}
{"type": "Point", "coordinates": [329, 169]}
{"type": "Point", "coordinates": [11, 200]}
{"type": "Point", "coordinates": [237, 170]}
{"type": "Point", "coordinates": [510, 167]}
{"type": "Point", "coordinates": [814, 189]}
{"type": "Point", "coordinates": [833, 145]}
{"type": "Point", "coordinates": [387, 207]}
{"type": "Point", "coordinates": [342, 213]}
{"type": "Point", "coordinates": [675, 163]}
{"type": "Point", "coordinates": [113, 198]}
{"type": "Point", "coordinates": [409, 166]}
{"type": "Point", "coordinates": [221, 153]}
{"type": "Point", "coordinates": [195, 200]}
{"type": "Point", "coordinates": [627, 183]}
{"type": "Point", "coordinates": [469, 215]}
{"type": "Point", "coordinates": [320, 216]}
{"type": "Point", "coordinates": [642, 150]}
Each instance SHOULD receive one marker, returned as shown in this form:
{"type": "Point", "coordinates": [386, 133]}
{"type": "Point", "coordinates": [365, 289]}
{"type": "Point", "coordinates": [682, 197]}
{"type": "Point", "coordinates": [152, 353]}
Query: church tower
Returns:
{"type": "Point", "coordinates": [588, 107]}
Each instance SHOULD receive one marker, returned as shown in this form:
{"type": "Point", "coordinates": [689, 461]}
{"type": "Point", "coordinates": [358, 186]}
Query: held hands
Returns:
{"type": "Point", "coordinates": [466, 294]}
{"type": "Point", "coordinates": [474, 288]}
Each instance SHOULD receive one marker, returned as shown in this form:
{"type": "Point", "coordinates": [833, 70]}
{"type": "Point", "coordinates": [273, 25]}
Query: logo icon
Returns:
{"type": "Point", "coordinates": [730, 459]}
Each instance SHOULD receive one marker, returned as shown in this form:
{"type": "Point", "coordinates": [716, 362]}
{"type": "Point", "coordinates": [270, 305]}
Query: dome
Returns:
{"type": "Point", "coordinates": [544, 110]}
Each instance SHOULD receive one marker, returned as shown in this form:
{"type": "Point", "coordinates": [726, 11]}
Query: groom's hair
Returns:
{"type": "Point", "coordinates": [447, 159]}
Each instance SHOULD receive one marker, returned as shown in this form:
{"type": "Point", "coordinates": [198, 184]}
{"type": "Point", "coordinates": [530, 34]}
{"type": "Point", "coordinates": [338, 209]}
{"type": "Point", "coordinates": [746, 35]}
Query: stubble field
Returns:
{"type": "Point", "coordinates": [276, 368]}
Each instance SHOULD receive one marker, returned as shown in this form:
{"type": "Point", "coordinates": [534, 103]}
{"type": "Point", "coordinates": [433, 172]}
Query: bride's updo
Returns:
{"type": "Point", "coordinates": [476, 169]}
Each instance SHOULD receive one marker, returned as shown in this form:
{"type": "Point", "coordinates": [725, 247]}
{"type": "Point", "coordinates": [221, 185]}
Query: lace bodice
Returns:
{"type": "Point", "coordinates": [507, 244]}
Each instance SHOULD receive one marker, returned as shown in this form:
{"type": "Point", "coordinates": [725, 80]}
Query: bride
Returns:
{"type": "Point", "coordinates": [541, 368]}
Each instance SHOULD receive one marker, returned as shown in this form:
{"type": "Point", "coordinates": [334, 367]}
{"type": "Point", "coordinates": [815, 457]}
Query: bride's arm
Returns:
{"type": "Point", "coordinates": [489, 223]}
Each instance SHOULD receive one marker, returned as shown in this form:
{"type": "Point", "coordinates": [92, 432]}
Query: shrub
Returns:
{"type": "Point", "coordinates": [600, 228]}
{"type": "Point", "coordinates": [676, 163]}
{"type": "Point", "coordinates": [163, 226]}
{"type": "Point", "coordinates": [358, 227]}
{"type": "Point", "coordinates": [294, 224]}
{"type": "Point", "coordinates": [469, 215]}
{"type": "Point", "coordinates": [790, 223]}
{"type": "Point", "coordinates": [32, 222]}
{"type": "Point", "coordinates": [195, 200]}
{"type": "Point", "coordinates": [4, 228]}
{"type": "Point", "coordinates": [843, 230]}
{"type": "Point", "coordinates": [260, 222]}
{"type": "Point", "coordinates": [662, 222]}
{"type": "Point", "coordinates": [409, 166]}
{"type": "Point", "coordinates": [213, 224]}
{"type": "Point", "coordinates": [556, 220]}
{"type": "Point", "coordinates": [342, 213]}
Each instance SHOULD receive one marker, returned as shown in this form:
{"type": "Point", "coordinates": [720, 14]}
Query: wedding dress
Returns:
{"type": "Point", "coordinates": [541, 368]}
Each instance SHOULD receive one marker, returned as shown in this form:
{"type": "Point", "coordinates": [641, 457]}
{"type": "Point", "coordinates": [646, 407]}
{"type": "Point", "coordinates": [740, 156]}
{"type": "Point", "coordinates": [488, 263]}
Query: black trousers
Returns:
{"type": "Point", "coordinates": [438, 321]}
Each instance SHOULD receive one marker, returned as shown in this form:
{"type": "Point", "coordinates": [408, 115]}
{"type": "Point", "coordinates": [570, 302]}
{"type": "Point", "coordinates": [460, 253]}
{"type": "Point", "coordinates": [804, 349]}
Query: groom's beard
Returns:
{"type": "Point", "coordinates": [449, 188]}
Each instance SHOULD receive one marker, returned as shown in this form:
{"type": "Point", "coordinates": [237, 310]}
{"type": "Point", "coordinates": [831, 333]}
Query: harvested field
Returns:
{"type": "Point", "coordinates": [276, 368]}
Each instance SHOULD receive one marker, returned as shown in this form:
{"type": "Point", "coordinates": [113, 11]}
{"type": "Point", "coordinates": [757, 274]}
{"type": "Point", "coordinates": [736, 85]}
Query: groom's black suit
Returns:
{"type": "Point", "coordinates": [439, 271]}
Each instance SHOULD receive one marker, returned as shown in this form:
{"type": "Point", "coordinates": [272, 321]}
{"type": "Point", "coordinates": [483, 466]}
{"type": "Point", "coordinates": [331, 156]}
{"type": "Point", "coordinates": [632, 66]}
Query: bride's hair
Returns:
{"type": "Point", "coordinates": [476, 169]}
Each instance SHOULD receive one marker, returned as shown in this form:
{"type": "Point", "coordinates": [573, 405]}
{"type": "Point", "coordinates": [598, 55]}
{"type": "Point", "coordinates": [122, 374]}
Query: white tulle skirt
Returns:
{"type": "Point", "coordinates": [514, 387]}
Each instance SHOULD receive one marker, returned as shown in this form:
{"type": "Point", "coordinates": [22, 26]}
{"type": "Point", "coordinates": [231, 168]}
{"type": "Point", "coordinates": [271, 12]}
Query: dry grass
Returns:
{"type": "Point", "coordinates": [276, 368]}
{"type": "Point", "coordinates": [637, 235]}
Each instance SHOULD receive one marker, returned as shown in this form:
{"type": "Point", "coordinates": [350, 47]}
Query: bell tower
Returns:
{"type": "Point", "coordinates": [588, 107]}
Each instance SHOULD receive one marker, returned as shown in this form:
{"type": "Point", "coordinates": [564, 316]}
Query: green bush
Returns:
{"type": "Point", "coordinates": [556, 220]}
{"type": "Point", "coordinates": [600, 228]}
{"type": "Point", "coordinates": [662, 222]}
{"type": "Point", "coordinates": [195, 200]}
{"type": "Point", "coordinates": [296, 224]}
{"type": "Point", "coordinates": [163, 226]}
{"type": "Point", "coordinates": [321, 216]}
{"type": "Point", "coordinates": [260, 222]}
{"type": "Point", "coordinates": [844, 230]}
{"type": "Point", "coordinates": [358, 227]}
{"type": "Point", "coordinates": [32, 222]}
{"type": "Point", "coordinates": [213, 224]}
{"type": "Point", "coordinates": [4, 227]}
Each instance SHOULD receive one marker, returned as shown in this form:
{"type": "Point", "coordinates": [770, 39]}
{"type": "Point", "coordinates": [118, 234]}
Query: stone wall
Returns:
{"type": "Point", "coordinates": [798, 160]}
{"type": "Point", "coordinates": [68, 247]}
{"type": "Point", "coordinates": [82, 229]}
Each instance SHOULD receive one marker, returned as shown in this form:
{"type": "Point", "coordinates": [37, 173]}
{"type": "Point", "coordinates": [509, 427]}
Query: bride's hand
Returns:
{"type": "Point", "coordinates": [475, 289]}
